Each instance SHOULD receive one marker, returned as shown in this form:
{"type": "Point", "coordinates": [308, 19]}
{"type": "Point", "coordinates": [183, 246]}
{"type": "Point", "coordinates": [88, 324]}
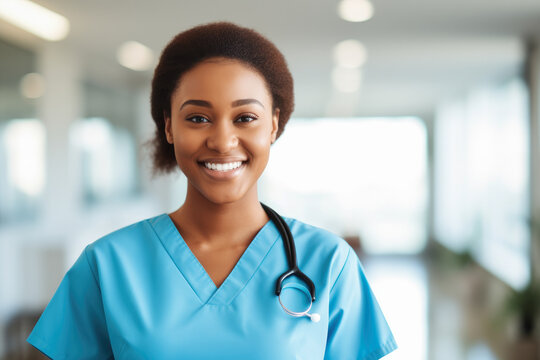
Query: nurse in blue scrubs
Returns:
{"type": "Point", "coordinates": [199, 283]}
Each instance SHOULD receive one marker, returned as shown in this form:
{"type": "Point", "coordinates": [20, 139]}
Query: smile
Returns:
{"type": "Point", "coordinates": [223, 166]}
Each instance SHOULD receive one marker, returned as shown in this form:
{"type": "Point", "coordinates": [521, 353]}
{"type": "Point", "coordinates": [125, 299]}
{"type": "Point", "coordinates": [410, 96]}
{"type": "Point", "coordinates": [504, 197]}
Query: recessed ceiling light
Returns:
{"type": "Point", "coordinates": [32, 86]}
{"type": "Point", "coordinates": [346, 80]}
{"type": "Point", "coordinates": [35, 18]}
{"type": "Point", "coordinates": [135, 56]}
{"type": "Point", "coordinates": [355, 10]}
{"type": "Point", "coordinates": [350, 54]}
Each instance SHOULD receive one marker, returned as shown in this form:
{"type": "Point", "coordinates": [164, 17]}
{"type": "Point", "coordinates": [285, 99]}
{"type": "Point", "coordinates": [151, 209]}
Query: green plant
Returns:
{"type": "Point", "coordinates": [526, 305]}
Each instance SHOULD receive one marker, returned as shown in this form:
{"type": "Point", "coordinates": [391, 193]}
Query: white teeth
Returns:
{"type": "Point", "coordinates": [223, 167]}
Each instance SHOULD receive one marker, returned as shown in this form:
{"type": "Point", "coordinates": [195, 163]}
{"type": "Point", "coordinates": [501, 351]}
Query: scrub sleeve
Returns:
{"type": "Point", "coordinates": [357, 328]}
{"type": "Point", "coordinates": [79, 330]}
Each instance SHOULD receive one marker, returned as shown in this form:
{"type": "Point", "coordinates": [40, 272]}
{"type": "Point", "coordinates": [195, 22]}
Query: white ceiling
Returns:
{"type": "Point", "coordinates": [419, 51]}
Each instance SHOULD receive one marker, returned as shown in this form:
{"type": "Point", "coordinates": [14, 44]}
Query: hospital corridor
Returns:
{"type": "Point", "coordinates": [415, 137]}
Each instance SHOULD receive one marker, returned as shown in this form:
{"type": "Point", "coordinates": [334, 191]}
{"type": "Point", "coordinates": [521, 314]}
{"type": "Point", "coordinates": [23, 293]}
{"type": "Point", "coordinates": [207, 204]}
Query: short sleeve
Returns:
{"type": "Point", "coordinates": [357, 328]}
{"type": "Point", "coordinates": [73, 324]}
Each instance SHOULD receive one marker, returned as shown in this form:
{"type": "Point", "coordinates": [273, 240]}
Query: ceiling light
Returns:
{"type": "Point", "coordinates": [350, 54]}
{"type": "Point", "coordinates": [346, 80]}
{"type": "Point", "coordinates": [355, 10]}
{"type": "Point", "coordinates": [32, 86]}
{"type": "Point", "coordinates": [35, 18]}
{"type": "Point", "coordinates": [135, 56]}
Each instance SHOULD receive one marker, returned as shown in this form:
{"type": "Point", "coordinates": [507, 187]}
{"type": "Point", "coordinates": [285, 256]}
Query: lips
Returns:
{"type": "Point", "coordinates": [223, 169]}
{"type": "Point", "coordinates": [228, 166]}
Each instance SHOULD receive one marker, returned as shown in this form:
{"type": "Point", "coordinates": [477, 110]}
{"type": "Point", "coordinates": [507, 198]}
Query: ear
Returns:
{"type": "Point", "coordinates": [275, 125]}
{"type": "Point", "coordinates": [168, 132]}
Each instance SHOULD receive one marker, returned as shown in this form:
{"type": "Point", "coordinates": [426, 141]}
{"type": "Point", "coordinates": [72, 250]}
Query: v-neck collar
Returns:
{"type": "Point", "coordinates": [195, 274]}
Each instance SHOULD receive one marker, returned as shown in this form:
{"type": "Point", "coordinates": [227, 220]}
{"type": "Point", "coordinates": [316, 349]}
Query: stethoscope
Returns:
{"type": "Point", "coordinates": [290, 251]}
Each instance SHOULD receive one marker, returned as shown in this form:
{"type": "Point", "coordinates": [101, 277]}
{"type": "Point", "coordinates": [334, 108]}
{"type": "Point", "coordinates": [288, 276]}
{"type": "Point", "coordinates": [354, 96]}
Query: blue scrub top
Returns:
{"type": "Point", "coordinates": [140, 293]}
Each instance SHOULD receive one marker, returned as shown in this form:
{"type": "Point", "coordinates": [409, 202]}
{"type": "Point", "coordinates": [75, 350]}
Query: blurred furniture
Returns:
{"type": "Point", "coordinates": [355, 242]}
{"type": "Point", "coordinates": [17, 330]}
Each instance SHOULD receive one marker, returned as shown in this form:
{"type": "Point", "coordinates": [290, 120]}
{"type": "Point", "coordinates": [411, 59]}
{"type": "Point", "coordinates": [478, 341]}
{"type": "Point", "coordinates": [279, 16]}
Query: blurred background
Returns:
{"type": "Point", "coordinates": [416, 136]}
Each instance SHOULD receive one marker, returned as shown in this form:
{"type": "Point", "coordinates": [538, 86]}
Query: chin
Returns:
{"type": "Point", "coordinates": [223, 198]}
{"type": "Point", "coordinates": [223, 195]}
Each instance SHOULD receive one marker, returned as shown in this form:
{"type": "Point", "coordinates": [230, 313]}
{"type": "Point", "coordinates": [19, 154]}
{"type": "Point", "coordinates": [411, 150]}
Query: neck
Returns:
{"type": "Point", "coordinates": [202, 221]}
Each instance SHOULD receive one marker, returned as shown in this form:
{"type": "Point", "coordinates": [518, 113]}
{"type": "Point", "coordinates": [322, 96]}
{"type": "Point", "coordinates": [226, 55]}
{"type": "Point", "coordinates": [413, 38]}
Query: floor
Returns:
{"type": "Point", "coordinates": [428, 321]}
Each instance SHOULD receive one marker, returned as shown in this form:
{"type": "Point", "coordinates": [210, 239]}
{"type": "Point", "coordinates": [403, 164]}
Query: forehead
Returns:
{"type": "Point", "coordinates": [221, 78]}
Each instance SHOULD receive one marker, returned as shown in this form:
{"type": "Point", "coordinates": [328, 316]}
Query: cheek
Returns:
{"type": "Point", "coordinates": [260, 145]}
{"type": "Point", "coordinates": [265, 147]}
{"type": "Point", "coordinates": [185, 147]}
{"type": "Point", "coordinates": [186, 143]}
{"type": "Point", "coordinates": [262, 137]}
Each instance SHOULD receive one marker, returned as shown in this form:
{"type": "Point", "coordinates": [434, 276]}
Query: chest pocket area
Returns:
{"type": "Point", "coordinates": [304, 338]}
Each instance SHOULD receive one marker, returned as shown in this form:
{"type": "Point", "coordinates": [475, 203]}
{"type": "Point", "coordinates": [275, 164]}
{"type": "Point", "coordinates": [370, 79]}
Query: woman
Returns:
{"type": "Point", "coordinates": [199, 283]}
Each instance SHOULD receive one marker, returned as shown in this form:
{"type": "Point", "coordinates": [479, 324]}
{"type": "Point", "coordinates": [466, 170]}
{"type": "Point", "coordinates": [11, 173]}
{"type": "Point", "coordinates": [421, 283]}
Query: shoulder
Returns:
{"type": "Point", "coordinates": [316, 236]}
{"type": "Point", "coordinates": [132, 236]}
{"type": "Point", "coordinates": [320, 244]}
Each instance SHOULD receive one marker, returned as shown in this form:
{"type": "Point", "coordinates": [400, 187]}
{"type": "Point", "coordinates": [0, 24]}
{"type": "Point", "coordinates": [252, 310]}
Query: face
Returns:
{"type": "Point", "coordinates": [222, 125]}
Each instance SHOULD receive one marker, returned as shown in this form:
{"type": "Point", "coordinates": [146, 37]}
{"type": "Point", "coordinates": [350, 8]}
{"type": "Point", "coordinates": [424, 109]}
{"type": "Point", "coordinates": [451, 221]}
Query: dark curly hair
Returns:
{"type": "Point", "coordinates": [203, 42]}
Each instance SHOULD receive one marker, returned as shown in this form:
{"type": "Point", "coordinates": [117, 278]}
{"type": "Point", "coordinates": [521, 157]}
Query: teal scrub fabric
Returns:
{"type": "Point", "coordinates": [140, 293]}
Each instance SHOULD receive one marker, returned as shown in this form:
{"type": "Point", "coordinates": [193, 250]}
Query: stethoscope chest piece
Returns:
{"type": "Point", "coordinates": [314, 317]}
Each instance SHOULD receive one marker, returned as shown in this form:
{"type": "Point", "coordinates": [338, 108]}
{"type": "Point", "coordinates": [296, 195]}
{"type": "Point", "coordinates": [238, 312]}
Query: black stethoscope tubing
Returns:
{"type": "Point", "coordinates": [290, 251]}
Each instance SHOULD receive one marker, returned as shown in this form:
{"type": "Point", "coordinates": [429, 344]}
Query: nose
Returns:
{"type": "Point", "coordinates": [222, 137]}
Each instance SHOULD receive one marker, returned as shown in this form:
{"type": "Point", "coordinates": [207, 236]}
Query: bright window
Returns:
{"type": "Point", "coordinates": [481, 179]}
{"type": "Point", "coordinates": [359, 177]}
{"type": "Point", "coordinates": [108, 161]}
{"type": "Point", "coordinates": [22, 155]}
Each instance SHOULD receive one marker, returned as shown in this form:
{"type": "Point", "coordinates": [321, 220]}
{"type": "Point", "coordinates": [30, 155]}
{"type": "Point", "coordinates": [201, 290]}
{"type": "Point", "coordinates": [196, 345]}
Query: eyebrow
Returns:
{"type": "Point", "coordinates": [246, 102]}
{"type": "Point", "coordinates": [202, 103]}
{"type": "Point", "coordinates": [235, 103]}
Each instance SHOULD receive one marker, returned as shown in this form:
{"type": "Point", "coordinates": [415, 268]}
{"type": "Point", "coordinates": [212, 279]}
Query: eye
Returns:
{"type": "Point", "coordinates": [246, 118]}
{"type": "Point", "coordinates": [197, 119]}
